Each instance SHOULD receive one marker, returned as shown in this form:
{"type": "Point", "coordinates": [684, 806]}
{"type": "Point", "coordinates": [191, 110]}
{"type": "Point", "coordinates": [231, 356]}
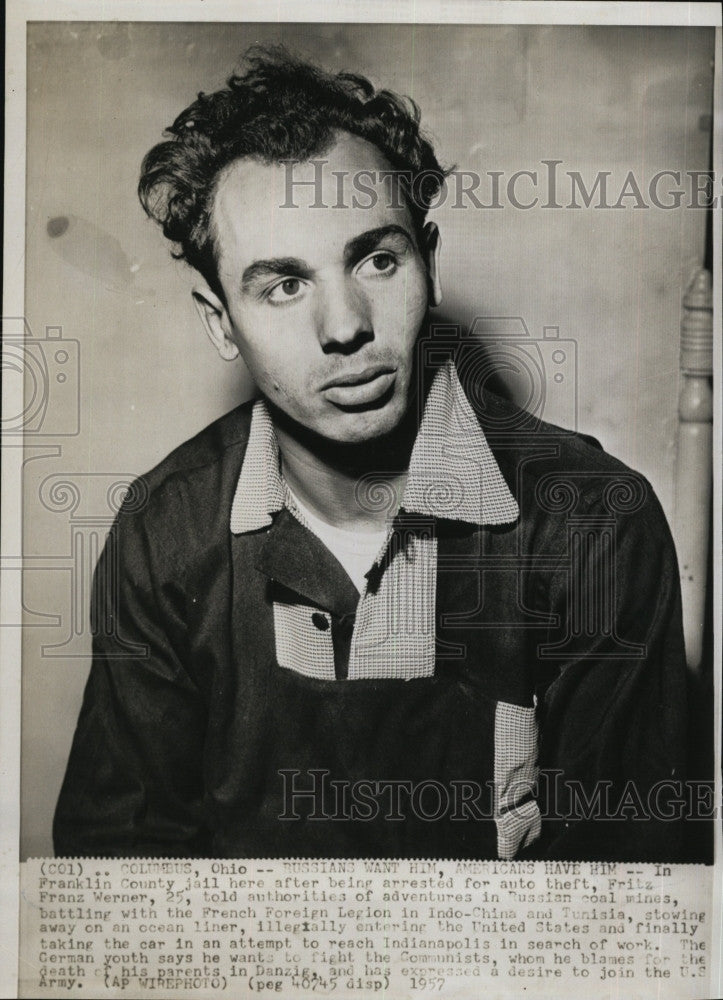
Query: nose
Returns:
{"type": "Point", "coordinates": [343, 320]}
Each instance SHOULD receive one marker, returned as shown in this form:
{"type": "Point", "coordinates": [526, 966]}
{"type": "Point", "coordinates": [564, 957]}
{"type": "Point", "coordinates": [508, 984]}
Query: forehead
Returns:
{"type": "Point", "coordinates": [264, 210]}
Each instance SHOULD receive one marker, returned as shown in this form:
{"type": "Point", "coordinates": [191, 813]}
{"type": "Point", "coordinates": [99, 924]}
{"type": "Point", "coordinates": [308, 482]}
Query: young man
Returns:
{"type": "Point", "coordinates": [360, 616]}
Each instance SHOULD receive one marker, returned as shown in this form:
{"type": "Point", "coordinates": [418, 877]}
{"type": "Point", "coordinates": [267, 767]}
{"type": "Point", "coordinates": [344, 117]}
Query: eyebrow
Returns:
{"type": "Point", "coordinates": [356, 248]}
{"type": "Point", "coordinates": [363, 244]}
{"type": "Point", "coordinates": [272, 267]}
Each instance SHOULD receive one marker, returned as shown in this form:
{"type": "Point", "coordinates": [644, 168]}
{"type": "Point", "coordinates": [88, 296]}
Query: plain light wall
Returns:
{"type": "Point", "coordinates": [493, 99]}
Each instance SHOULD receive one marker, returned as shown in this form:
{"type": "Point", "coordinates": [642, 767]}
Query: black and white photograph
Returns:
{"type": "Point", "coordinates": [365, 450]}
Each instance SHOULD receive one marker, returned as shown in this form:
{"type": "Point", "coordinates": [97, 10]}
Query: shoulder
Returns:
{"type": "Point", "coordinates": [523, 442]}
{"type": "Point", "coordinates": [194, 484]}
{"type": "Point", "coordinates": [213, 446]}
{"type": "Point", "coordinates": [555, 473]}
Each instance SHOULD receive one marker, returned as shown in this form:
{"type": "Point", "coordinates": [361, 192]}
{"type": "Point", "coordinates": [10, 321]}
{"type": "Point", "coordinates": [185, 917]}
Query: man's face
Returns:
{"type": "Point", "coordinates": [324, 304]}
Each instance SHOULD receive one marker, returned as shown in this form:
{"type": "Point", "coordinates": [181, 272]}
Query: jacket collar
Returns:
{"type": "Point", "coordinates": [452, 472]}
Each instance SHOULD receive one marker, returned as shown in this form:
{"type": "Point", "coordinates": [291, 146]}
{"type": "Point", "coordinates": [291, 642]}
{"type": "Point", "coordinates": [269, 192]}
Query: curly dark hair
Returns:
{"type": "Point", "coordinates": [280, 108]}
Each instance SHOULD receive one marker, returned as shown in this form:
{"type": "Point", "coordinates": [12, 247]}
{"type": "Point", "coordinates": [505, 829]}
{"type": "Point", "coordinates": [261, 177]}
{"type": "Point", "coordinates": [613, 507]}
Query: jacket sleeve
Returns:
{"type": "Point", "coordinates": [613, 719]}
{"type": "Point", "coordinates": [133, 784]}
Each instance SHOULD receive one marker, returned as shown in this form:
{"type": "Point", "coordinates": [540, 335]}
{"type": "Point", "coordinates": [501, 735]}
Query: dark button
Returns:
{"type": "Point", "coordinates": [320, 621]}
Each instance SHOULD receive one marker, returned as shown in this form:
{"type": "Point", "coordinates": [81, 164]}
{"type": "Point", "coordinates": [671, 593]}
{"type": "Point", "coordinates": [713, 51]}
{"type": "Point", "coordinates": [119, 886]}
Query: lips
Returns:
{"type": "Point", "coordinates": [360, 388]}
{"type": "Point", "coordinates": [359, 378]}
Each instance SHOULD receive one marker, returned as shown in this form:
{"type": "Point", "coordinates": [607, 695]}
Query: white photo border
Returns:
{"type": "Point", "coordinates": [19, 13]}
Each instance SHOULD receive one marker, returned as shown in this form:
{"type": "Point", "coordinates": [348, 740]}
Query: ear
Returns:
{"type": "Point", "coordinates": [432, 244]}
{"type": "Point", "coordinates": [216, 321]}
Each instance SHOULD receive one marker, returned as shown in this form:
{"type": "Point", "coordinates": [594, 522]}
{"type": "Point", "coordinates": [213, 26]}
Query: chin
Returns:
{"type": "Point", "coordinates": [361, 428]}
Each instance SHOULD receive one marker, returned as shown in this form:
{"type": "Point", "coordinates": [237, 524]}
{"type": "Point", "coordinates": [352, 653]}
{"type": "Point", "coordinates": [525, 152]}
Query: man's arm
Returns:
{"type": "Point", "coordinates": [133, 785]}
{"type": "Point", "coordinates": [614, 718]}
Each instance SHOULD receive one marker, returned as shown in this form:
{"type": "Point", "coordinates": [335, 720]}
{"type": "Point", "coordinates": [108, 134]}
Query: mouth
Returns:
{"type": "Point", "coordinates": [361, 389]}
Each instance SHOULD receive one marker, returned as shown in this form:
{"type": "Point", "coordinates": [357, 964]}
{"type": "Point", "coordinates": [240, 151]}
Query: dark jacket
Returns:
{"type": "Point", "coordinates": [191, 735]}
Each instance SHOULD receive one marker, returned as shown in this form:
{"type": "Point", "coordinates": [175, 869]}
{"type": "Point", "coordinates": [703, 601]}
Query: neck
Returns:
{"type": "Point", "coordinates": [357, 486]}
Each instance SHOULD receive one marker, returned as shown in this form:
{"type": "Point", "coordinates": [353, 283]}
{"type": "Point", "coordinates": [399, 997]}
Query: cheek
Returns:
{"type": "Point", "coordinates": [405, 305]}
{"type": "Point", "coordinates": [263, 346]}
{"type": "Point", "coordinates": [276, 367]}
{"type": "Point", "coordinates": [267, 369]}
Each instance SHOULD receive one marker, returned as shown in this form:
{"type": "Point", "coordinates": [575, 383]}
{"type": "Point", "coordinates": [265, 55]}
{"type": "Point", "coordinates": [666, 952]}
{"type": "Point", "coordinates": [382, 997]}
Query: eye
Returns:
{"type": "Point", "coordinates": [381, 263]}
{"type": "Point", "coordinates": [285, 291]}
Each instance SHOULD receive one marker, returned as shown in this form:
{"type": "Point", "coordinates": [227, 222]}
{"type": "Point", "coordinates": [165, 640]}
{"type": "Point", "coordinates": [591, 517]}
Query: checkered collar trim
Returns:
{"type": "Point", "coordinates": [452, 472]}
{"type": "Point", "coordinates": [260, 490]}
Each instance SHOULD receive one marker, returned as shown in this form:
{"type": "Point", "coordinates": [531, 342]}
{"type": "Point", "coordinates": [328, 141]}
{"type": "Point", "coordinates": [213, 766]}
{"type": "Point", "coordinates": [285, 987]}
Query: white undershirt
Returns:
{"type": "Point", "coordinates": [355, 550]}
